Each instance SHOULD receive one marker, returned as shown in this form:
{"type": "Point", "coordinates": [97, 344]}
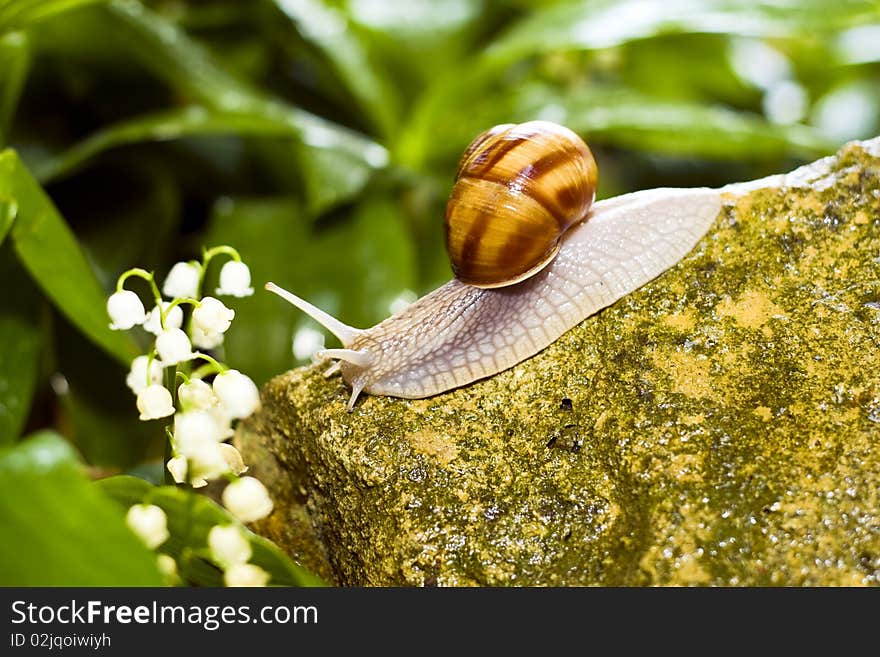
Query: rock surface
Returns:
{"type": "Point", "coordinates": [720, 426]}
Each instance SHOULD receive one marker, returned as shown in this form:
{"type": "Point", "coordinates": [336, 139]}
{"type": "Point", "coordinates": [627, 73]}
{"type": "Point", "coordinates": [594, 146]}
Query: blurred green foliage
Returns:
{"type": "Point", "coordinates": [320, 139]}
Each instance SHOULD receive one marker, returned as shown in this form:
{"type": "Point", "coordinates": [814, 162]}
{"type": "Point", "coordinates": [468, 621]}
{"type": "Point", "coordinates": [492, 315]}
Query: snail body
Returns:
{"type": "Point", "coordinates": [474, 327]}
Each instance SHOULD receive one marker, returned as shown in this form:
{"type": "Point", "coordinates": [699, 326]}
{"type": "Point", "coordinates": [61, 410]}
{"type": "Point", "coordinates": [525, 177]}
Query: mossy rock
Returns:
{"type": "Point", "coordinates": [719, 426]}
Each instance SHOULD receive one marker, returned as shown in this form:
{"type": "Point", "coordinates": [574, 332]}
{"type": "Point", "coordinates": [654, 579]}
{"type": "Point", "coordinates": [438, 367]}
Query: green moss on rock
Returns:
{"type": "Point", "coordinates": [720, 426]}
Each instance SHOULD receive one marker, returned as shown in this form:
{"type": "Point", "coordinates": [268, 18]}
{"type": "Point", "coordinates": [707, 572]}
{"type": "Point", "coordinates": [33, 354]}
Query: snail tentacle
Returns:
{"type": "Point", "coordinates": [344, 332]}
{"type": "Point", "coordinates": [353, 356]}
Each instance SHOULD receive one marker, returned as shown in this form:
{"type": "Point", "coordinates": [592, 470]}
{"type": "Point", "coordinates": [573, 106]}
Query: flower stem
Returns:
{"type": "Point", "coordinates": [140, 273]}
{"type": "Point", "coordinates": [213, 366]}
{"type": "Point", "coordinates": [170, 379]}
{"type": "Point", "coordinates": [208, 254]}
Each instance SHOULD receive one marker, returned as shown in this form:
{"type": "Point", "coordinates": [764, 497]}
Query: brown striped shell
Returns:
{"type": "Point", "coordinates": [518, 189]}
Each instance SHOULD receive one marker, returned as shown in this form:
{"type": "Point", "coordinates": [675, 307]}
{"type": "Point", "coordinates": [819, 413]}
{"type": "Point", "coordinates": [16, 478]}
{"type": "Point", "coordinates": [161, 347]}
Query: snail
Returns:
{"type": "Point", "coordinates": [533, 257]}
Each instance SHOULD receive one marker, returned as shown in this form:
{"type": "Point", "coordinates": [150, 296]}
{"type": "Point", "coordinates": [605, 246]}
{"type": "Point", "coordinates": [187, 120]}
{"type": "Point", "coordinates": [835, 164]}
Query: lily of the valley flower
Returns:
{"type": "Point", "coordinates": [137, 375]}
{"type": "Point", "coordinates": [125, 309]}
{"type": "Point", "coordinates": [206, 463]}
{"type": "Point", "coordinates": [238, 394]}
{"type": "Point", "coordinates": [233, 459]}
{"type": "Point", "coordinates": [154, 402]}
{"type": "Point", "coordinates": [173, 318]}
{"type": "Point", "coordinates": [209, 340]}
{"type": "Point", "coordinates": [177, 467]}
{"type": "Point", "coordinates": [247, 499]}
{"type": "Point", "coordinates": [195, 429]}
{"type": "Point", "coordinates": [235, 280]}
{"type": "Point", "coordinates": [228, 546]}
{"type": "Point", "coordinates": [245, 574]}
{"type": "Point", "coordinates": [198, 436]}
{"type": "Point", "coordinates": [212, 316]}
{"type": "Point", "coordinates": [195, 395]}
{"type": "Point", "coordinates": [173, 347]}
{"type": "Point", "coordinates": [182, 281]}
{"type": "Point", "coordinates": [149, 523]}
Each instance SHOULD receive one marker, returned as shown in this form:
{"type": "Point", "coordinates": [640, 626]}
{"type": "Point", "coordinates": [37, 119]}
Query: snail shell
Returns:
{"type": "Point", "coordinates": [517, 191]}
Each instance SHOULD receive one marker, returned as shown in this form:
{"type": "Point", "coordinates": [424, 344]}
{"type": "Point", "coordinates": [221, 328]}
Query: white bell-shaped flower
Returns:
{"type": "Point", "coordinates": [195, 395]}
{"type": "Point", "coordinates": [173, 318]}
{"type": "Point", "coordinates": [154, 402]}
{"type": "Point", "coordinates": [137, 376]}
{"type": "Point", "coordinates": [245, 574]}
{"type": "Point", "coordinates": [126, 310]}
{"type": "Point", "coordinates": [148, 521]}
{"type": "Point", "coordinates": [233, 459]}
{"type": "Point", "coordinates": [224, 421]}
{"type": "Point", "coordinates": [235, 280]}
{"type": "Point", "coordinates": [228, 546]}
{"type": "Point", "coordinates": [207, 462]}
{"type": "Point", "coordinates": [209, 340]}
{"type": "Point", "coordinates": [247, 499]}
{"type": "Point", "coordinates": [196, 429]}
{"type": "Point", "coordinates": [211, 315]}
{"type": "Point", "coordinates": [173, 347]}
{"type": "Point", "coordinates": [237, 392]}
{"type": "Point", "coordinates": [177, 467]}
{"type": "Point", "coordinates": [183, 281]}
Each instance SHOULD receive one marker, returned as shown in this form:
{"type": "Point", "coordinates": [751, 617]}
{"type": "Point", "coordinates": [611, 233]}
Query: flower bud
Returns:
{"type": "Point", "coordinates": [167, 567]}
{"type": "Point", "coordinates": [149, 523]}
{"type": "Point", "coordinates": [173, 318]}
{"type": "Point", "coordinates": [177, 467]}
{"type": "Point", "coordinates": [228, 546]}
{"type": "Point", "coordinates": [245, 574]}
{"type": "Point", "coordinates": [137, 375]}
{"type": "Point", "coordinates": [125, 309]}
{"type": "Point", "coordinates": [173, 347]}
{"type": "Point", "coordinates": [247, 499]}
{"type": "Point", "coordinates": [211, 316]}
{"type": "Point", "coordinates": [195, 394]}
{"type": "Point", "coordinates": [182, 281]}
{"type": "Point", "coordinates": [237, 393]}
{"type": "Point", "coordinates": [235, 280]}
{"type": "Point", "coordinates": [154, 402]}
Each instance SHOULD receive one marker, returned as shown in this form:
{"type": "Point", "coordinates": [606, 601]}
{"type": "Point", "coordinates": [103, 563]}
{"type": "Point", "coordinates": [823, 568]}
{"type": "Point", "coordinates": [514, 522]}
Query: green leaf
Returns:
{"type": "Point", "coordinates": [608, 23]}
{"type": "Point", "coordinates": [58, 528]}
{"type": "Point", "coordinates": [172, 56]}
{"type": "Point", "coordinates": [193, 121]}
{"type": "Point", "coordinates": [352, 268]}
{"type": "Point", "coordinates": [15, 58]}
{"type": "Point", "coordinates": [643, 123]}
{"type": "Point", "coordinates": [628, 119]}
{"type": "Point", "coordinates": [190, 517]}
{"type": "Point", "coordinates": [48, 249]}
{"type": "Point", "coordinates": [22, 337]}
{"type": "Point", "coordinates": [604, 24]}
{"type": "Point", "coordinates": [329, 29]}
{"type": "Point", "coordinates": [18, 14]}
{"type": "Point", "coordinates": [8, 210]}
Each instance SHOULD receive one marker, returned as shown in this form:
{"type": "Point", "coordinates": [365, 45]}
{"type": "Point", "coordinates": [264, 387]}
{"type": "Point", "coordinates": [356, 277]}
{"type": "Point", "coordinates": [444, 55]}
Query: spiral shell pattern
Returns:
{"type": "Point", "coordinates": [518, 189]}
